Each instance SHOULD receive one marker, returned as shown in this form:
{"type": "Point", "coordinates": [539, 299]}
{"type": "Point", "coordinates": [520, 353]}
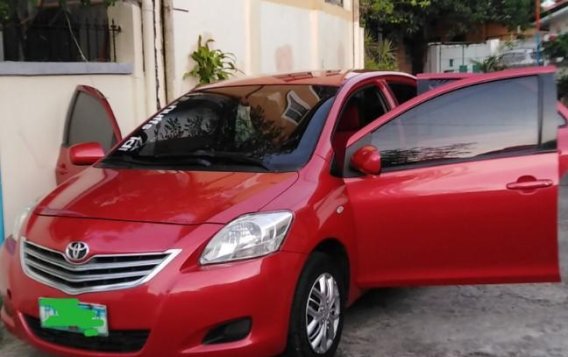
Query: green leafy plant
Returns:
{"type": "Point", "coordinates": [211, 65]}
{"type": "Point", "coordinates": [380, 56]}
{"type": "Point", "coordinates": [490, 64]}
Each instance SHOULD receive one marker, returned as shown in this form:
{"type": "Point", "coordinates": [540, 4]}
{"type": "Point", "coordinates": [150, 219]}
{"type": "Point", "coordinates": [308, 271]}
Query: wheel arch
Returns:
{"type": "Point", "coordinates": [338, 251]}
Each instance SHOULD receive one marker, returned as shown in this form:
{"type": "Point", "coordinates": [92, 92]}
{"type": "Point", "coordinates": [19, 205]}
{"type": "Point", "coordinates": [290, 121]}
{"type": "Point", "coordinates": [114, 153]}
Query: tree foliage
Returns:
{"type": "Point", "coordinates": [412, 16]}
{"type": "Point", "coordinates": [418, 22]}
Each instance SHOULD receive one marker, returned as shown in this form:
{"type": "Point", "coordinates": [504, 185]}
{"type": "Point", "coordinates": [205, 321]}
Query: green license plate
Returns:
{"type": "Point", "coordinates": [73, 316]}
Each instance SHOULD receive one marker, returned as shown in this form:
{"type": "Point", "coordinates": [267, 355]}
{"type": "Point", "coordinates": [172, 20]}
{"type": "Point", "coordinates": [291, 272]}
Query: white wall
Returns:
{"type": "Point", "coordinates": [286, 39]}
{"type": "Point", "coordinates": [559, 24]}
{"type": "Point", "coordinates": [336, 41]}
{"type": "Point", "coordinates": [32, 121]}
{"type": "Point", "coordinates": [266, 36]}
{"type": "Point", "coordinates": [221, 20]}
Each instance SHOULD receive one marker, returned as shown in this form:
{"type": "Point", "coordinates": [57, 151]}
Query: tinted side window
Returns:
{"type": "Point", "coordinates": [560, 120]}
{"type": "Point", "coordinates": [370, 103]}
{"type": "Point", "coordinates": [489, 119]}
{"type": "Point", "coordinates": [89, 122]}
{"type": "Point", "coordinates": [403, 92]}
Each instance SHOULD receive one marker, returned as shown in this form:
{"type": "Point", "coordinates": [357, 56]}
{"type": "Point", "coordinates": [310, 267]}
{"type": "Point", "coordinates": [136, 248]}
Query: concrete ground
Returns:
{"type": "Point", "coordinates": [470, 321]}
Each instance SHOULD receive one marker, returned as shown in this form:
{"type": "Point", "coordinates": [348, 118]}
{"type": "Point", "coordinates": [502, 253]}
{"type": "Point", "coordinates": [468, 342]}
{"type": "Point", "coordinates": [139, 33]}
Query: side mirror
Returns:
{"type": "Point", "coordinates": [86, 154]}
{"type": "Point", "coordinates": [367, 160]}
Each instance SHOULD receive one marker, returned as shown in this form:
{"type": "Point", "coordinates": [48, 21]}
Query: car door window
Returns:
{"type": "Point", "coordinates": [560, 120]}
{"type": "Point", "coordinates": [89, 122]}
{"type": "Point", "coordinates": [499, 118]}
{"type": "Point", "coordinates": [371, 104]}
{"type": "Point", "coordinates": [402, 92]}
{"type": "Point", "coordinates": [362, 108]}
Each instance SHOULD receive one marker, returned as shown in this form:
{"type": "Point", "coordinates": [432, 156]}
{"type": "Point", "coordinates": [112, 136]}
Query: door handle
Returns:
{"type": "Point", "coordinates": [529, 185]}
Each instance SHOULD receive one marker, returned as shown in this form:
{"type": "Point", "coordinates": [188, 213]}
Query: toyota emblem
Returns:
{"type": "Point", "coordinates": [76, 251]}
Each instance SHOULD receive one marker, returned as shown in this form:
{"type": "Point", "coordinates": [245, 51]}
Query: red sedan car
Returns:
{"type": "Point", "coordinates": [246, 216]}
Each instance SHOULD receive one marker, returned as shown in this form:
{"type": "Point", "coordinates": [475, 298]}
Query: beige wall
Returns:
{"type": "Point", "coordinates": [31, 129]}
{"type": "Point", "coordinates": [266, 36]}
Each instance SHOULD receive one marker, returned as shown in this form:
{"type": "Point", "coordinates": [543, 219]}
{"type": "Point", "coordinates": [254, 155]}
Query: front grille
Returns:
{"type": "Point", "coordinates": [116, 341]}
{"type": "Point", "coordinates": [100, 273]}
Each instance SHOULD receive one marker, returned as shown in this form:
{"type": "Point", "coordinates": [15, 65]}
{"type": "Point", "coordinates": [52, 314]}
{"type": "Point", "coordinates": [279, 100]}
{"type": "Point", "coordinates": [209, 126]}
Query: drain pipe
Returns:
{"type": "Point", "coordinates": [152, 39]}
{"type": "Point", "coordinates": [169, 49]}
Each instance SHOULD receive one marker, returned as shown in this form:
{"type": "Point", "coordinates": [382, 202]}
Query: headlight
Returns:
{"type": "Point", "coordinates": [19, 223]}
{"type": "Point", "coordinates": [249, 236]}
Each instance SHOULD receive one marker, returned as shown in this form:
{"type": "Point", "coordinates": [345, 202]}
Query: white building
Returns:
{"type": "Point", "coordinates": [458, 57]}
{"type": "Point", "coordinates": [555, 18]}
{"type": "Point", "coordinates": [146, 46]}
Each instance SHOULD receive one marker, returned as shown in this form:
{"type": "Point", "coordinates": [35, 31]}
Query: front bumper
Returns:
{"type": "Point", "coordinates": [178, 307]}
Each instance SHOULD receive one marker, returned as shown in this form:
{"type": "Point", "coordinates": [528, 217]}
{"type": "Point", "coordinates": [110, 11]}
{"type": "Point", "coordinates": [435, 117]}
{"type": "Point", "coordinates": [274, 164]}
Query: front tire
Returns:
{"type": "Point", "coordinates": [317, 314]}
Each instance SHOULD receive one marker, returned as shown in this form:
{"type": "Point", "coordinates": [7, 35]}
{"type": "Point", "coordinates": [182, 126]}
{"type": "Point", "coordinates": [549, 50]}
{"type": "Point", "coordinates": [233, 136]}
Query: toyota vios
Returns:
{"type": "Point", "coordinates": [243, 218]}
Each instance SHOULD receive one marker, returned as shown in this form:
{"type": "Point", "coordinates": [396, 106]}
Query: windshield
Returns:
{"type": "Point", "coordinates": [246, 128]}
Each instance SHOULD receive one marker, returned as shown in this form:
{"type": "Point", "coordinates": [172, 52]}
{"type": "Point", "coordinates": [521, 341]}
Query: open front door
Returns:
{"type": "Point", "coordinates": [468, 188]}
{"type": "Point", "coordinates": [89, 119]}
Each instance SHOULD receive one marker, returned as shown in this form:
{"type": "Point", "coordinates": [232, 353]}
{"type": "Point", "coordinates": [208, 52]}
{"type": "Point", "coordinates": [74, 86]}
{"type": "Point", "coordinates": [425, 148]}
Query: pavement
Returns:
{"type": "Point", "coordinates": [529, 320]}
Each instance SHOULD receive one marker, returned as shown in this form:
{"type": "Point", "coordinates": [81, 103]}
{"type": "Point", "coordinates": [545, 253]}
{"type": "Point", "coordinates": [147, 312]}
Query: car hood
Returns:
{"type": "Point", "coordinates": [174, 197]}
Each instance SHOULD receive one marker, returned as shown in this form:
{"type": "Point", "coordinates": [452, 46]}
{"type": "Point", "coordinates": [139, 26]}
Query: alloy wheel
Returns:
{"type": "Point", "coordinates": [322, 313]}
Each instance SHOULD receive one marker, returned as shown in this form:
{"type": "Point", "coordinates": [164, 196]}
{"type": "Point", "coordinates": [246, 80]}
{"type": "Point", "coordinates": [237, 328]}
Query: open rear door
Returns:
{"type": "Point", "coordinates": [89, 119]}
{"type": "Point", "coordinates": [469, 184]}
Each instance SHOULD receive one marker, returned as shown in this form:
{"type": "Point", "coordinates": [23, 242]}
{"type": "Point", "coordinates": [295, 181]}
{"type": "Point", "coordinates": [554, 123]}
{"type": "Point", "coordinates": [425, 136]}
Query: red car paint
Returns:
{"type": "Point", "coordinates": [389, 226]}
{"type": "Point", "coordinates": [65, 168]}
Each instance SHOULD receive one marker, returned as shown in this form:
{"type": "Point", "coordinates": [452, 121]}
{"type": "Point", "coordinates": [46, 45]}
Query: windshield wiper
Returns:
{"type": "Point", "coordinates": [215, 156]}
{"type": "Point", "coordinates": [155, 161]}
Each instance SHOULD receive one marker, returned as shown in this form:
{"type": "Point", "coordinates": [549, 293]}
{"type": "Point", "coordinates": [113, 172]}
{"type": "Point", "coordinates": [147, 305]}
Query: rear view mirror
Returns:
{"type": "Point", "coordinates": [85, 154]}
{"type": "Point", "coordinates": [367, 160]}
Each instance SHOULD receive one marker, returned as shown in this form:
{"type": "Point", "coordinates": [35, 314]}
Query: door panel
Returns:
{"type": "Point", "coordinates": [457, 223]}
{"type": "Point", "coordinates": [468, 192]}
{"type": "Point", "coordinates": [89, 119]}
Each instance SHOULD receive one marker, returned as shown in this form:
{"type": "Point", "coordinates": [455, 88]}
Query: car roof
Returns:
{"type": "Point", "coordinates": [333, 78]}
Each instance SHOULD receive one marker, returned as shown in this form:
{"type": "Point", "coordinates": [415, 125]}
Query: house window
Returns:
{"type": "Point", "coordinates": [335, 2]}
{"type": "Point", "coordinates": [43, 31]}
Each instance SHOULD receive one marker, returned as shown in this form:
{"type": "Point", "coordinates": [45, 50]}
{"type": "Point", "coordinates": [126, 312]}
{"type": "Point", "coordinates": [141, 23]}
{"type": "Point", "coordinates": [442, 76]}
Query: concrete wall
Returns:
{"type": "Point", "coordinates": [203, 17]}
{"type": "Point", "coordinates": [266, 36]}
{"type": "Point", "coordinates": [34, 109]}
